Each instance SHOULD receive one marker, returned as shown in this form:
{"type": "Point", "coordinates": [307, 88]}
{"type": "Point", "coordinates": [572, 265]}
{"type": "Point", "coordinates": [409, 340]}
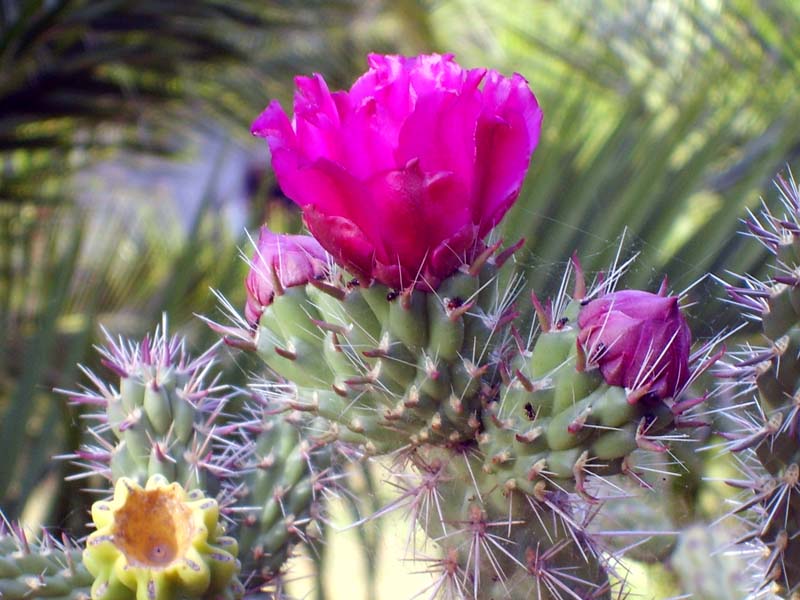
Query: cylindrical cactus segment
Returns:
{"type": "Point", "coordinates": [160, 542]}
{"type": "Point", "coordinates": [771, 433]}
{"type": "Point", "coordinates": [555, 419]}
{"type": "Point", "coordinates": [45, 568]}
{"type": "Point", "coordinates": [160, 414]}
{"type": "Point", "coordinates": [279, 492]}
{"type": "Point", "coordinates": [498, 542]}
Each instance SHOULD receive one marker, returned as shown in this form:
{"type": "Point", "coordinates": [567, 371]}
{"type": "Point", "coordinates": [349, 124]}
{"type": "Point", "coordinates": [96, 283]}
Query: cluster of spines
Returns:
{"type": "Point", "coordinates": [40, 568]}
{"type": "Point", "coordinates": [767, 377]}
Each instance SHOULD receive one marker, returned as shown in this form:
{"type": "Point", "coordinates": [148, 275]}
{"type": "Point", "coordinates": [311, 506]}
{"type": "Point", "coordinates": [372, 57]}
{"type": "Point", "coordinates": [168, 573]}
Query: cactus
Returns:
{"type": "Point", "coordinates": [508, 440]}
{"type": "Point", "coordinates": [43, 568]}
{"type": "Point", "coordinates": [160, 542]}
{"type": "Point", "coordinates": [703, 570]}
{"type": "Point", "coordinates": [406, 340]}
{"type": "Point", "coordinates": [767, 434]}
{"type": "Point", "coordinates": [519, 435]}
{"type": "Point", "coordinates": [280, 492]}
{"type": "Point", "coordinates": [167, 423]}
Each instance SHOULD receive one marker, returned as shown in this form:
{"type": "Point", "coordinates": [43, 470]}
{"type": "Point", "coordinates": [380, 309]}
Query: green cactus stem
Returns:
{"type": "Point", "coordinates": [504, 437]}
{"type": "Point", "coordinates": [767, 434]}
{"type": "Point", "coordinates": [160, 414]}
{"type": "Point", "coordinates": [280, 492]}
{"type": "Point", "coordinates": [43, 568]}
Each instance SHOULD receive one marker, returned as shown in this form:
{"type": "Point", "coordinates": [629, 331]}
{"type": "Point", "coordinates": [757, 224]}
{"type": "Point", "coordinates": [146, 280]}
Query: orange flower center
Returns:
{"type": "Point", "coordinates": [153, 527]}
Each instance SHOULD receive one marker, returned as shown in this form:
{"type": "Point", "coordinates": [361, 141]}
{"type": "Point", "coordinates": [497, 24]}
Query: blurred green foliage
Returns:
{"type": "Point", "coordinates": [665, 118]}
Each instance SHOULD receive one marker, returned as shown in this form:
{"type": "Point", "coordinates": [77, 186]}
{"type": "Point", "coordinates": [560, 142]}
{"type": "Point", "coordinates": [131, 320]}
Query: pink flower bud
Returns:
{"type": "Point", "coordinates": [402, 177]}
{"type": "Point", "coordinates": [639, 341]}
{"type": "Point", "coordinates": [280, 261]}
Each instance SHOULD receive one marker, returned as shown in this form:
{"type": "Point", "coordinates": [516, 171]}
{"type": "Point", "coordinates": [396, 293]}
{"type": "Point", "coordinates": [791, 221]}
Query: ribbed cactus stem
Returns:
{"type": "Point", "coordinates": [40, 568]}
{"type": "Point", "coordinates": [771, 433]}
{"type": "Point", "coordinates": [161, 412]}
{"type": "Point", "coordinates": [504, 543]}
{"type": "Point", "coordinates": [279, 491]}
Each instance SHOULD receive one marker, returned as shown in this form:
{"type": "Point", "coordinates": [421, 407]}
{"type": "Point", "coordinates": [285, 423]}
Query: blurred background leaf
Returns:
{"type": "Point", "coordinates": [127, 176]}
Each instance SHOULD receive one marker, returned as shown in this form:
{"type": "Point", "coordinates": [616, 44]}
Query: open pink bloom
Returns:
{"type": "Point", "coordinates": [402, 177]}
{"type": "Point", "coordinates": [639, 340]}
{"type": "Point", "coordinates": [280, 261]}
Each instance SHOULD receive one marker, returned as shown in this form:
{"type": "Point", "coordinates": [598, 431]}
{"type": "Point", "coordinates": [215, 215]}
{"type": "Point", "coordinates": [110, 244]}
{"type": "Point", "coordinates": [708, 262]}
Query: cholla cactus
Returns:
{"type": "Point", "coordinates": [409, 345]}
{"type": "Point", "coordinates": [766, 435]}
{"type": "Point", "coordinates": [165, 423]}
{"type": "Point", "coordinates": [278, 497]}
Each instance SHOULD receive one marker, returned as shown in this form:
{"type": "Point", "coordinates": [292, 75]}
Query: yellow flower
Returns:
{"type": "Point", "coordinates": [160, 542]}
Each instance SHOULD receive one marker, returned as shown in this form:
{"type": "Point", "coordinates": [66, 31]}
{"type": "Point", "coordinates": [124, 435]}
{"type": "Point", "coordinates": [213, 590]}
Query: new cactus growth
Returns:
{"type": "Point", "coordinates": [160, 542]}
{"type": "Point", "coordinates": [768, 435]}
{"type": "Point", "coordinates": [161, 413]}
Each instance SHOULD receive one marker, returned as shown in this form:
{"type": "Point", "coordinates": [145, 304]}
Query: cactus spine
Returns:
{"type": "Point", "coordinates": [278, 496]}
{"type": "Point", "coordinates": [161, 413]}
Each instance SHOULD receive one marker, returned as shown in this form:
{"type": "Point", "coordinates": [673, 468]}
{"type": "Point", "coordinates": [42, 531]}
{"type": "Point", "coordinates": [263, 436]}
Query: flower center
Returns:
{"type": "Point", "coordinates": [153, 527]}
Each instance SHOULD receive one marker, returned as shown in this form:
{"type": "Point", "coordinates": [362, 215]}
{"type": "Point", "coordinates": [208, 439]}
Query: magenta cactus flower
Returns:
{"type": "Point", "coordinates": [280, 261]}
{"type": "Point", "coordinates": [402, 177]}
{"type": "Point", "coordinates": [638, 340]}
